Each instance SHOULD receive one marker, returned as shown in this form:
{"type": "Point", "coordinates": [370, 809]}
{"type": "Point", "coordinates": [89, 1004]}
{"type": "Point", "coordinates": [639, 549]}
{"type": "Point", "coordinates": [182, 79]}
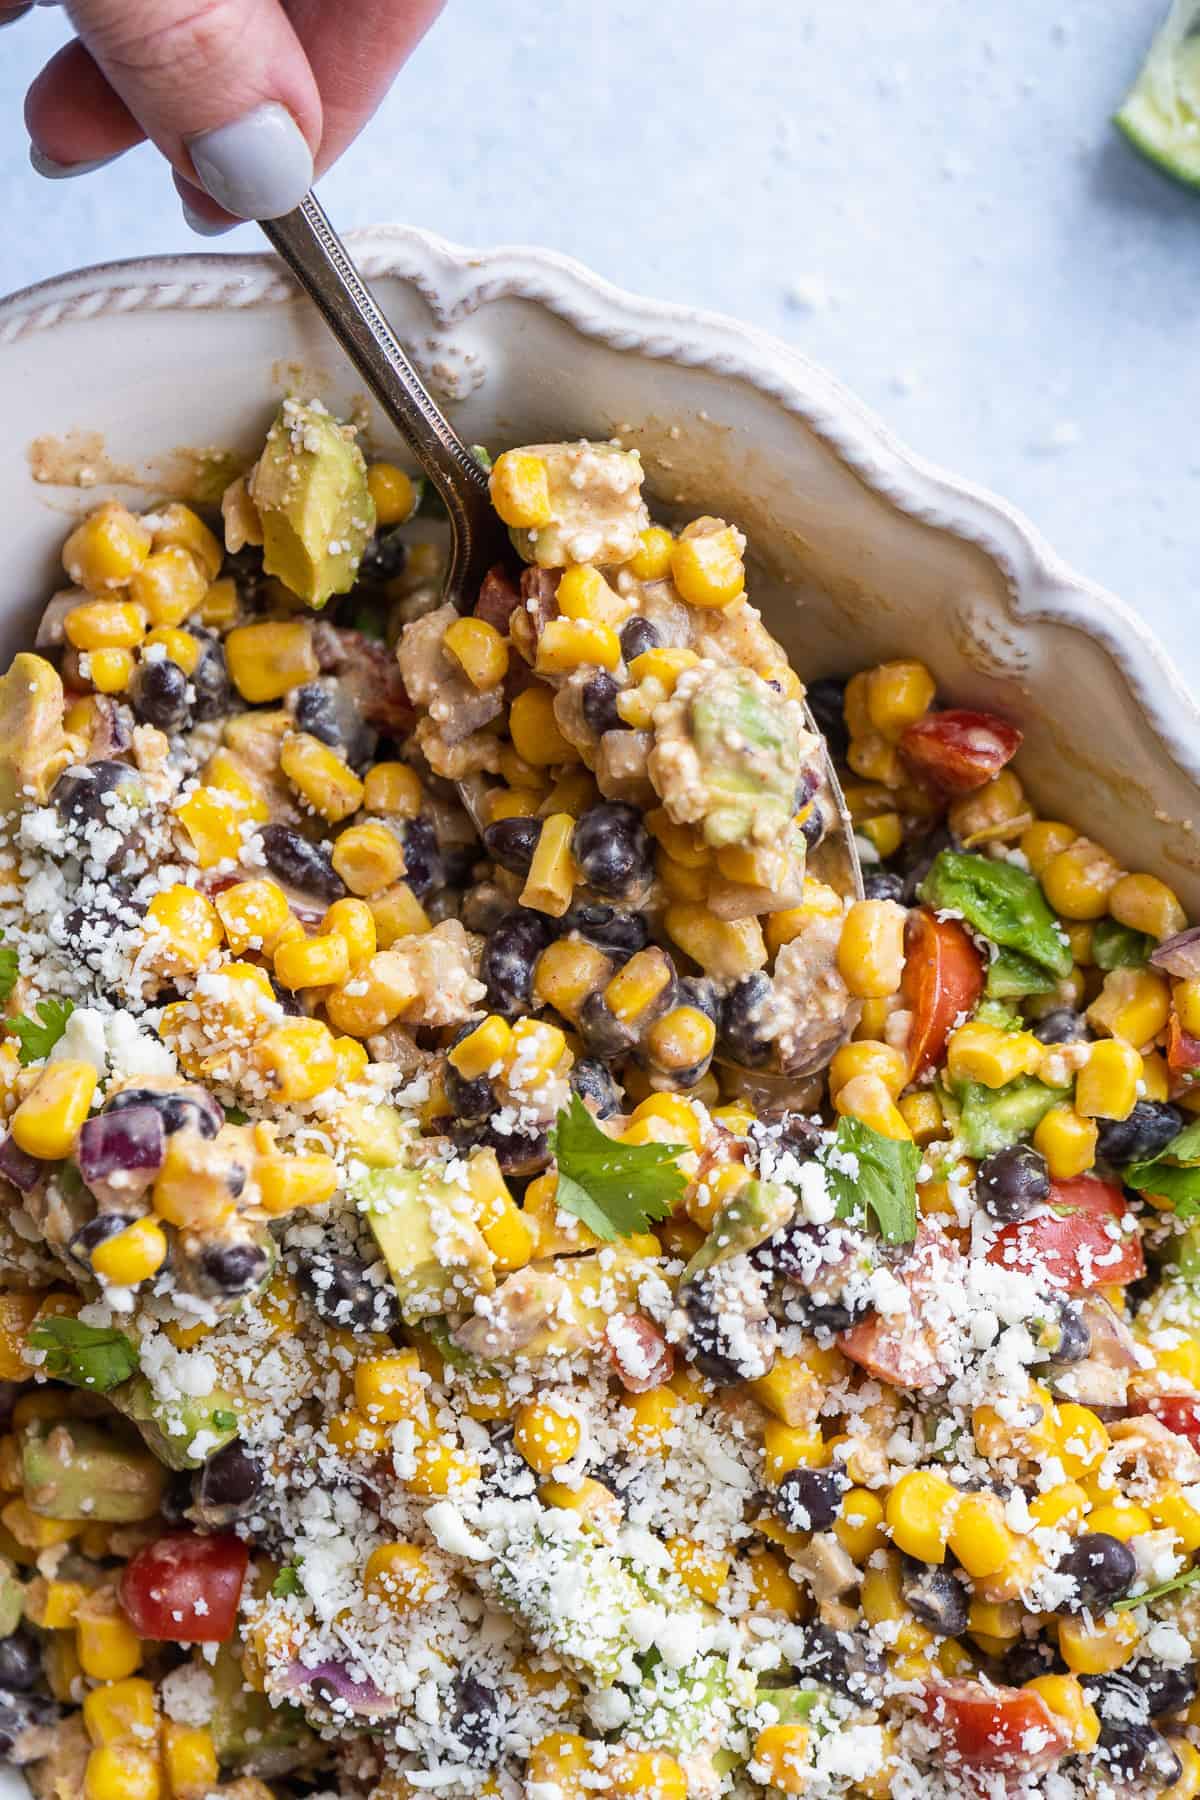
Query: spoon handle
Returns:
{"type": "Point", "coordinates": [314, 252]}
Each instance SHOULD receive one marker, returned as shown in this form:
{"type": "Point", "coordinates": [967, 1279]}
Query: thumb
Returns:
{"type": "Point", "coordinates": [223, 87]}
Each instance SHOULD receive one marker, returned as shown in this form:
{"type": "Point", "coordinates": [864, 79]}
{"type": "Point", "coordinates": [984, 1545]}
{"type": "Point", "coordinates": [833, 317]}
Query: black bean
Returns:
{"type": "Point", "coordinates": [315, 711]}
{"type": "Point", "coordinates": [475, 1716]}
{"type": "Point", "coordinates": [918, 856]}
{"type": "Point", "coordinates": [195, 1111]}
{"type": "Point", "coordinates": [424, 869]}
{"type": "Point", "coordinates": [619, 934]}
{"type": "Point", "coordinates": [745, 1021]}
{"type": "Point", "coordinates": [506, 967]}
{"type": "Point", "coordinates": [20, 1711]}
{"type": "Point", "coordinates": [1167, 1689]}
{"type": "Point", "coordinates": [604, 1035]}
{"type": "Point", "coordinates": [234, 1268]}
{"type": "Point", "coordinates": [1012, 1182]}
{"type": "Point", "coordinates": [599, 702]}
{"type": "Point", "coordinates": [1027, 1659]}
{"type": "Point", "coordinates": [1146, 1132]}
{"type": "Point", "coordinates": [1138, 1752]}
{"type": "Point", "coordinates": [883, 884]}
{"type": "Point", "coordinates": [89, 793]}
{"type": "Point", "coordinates": [519, 1153]}
{"type": "Point", "coordinates": [935, 1598]}
{"type": "Point", "coordinates": [800, 1136]}
{"type": "Point", "coordinates": [512, 842]}
{"type": "Point", "coordinates": [845, 1660]}
{"type": "Point", "coordinates": [826, 702]}
{"type": "Point", "coordinates": [177, 1497]}
{"type": "Point", "coordinates": [813, 826]}
{"type": "Point", "coordinates": [1103, 1569]}
{"type": "Point", "coordinates": [592, 1081]}
{"type": "Point", "coordinates": [302, 864]}
{"type": "Point", "coordinates": [20, 1662]}
{"type": "Point", "coordinates": [614, 850]}
{"type": "Point", "coordinates": [809, 1499]}
{"type": "Point", "coordinates": [336, 1287]}
{"type": "Point", "coordinates": [159, 692]}
{"type": "Point", "coordinates": [384, 557]}
{"type": "Point", "coordinates": [470, 1100]}
{"type": "Point", "coordinates": [637, 636]}
{"type": "Point", "coordinates": [1067, 1337]}
{"type": "Point", "coordinates": [230, 1479]}
{"type": "Point", "coordinates": [703, 994]}
{"type": "Point", "coordinates": [212, 691]}
{"type": "Point", "coordinates": [731, 1336]}
{"type": "Point", "coordinates": [1062, 1026]}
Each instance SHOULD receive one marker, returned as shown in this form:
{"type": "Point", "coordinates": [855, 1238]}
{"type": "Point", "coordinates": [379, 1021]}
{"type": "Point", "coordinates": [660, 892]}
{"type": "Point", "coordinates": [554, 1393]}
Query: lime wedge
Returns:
{"type": "Point", "coordinates": [1161, 112]}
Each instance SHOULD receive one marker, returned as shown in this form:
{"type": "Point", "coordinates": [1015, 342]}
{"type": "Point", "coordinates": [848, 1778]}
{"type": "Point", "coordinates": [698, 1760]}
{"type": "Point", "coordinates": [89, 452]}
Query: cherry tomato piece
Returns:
{"type": "Point", "coordinates": [1180, 1413]}
{"type": "Point", "coordinates": [184, 1588]}
{"type": "Point", "coordinates": [905, 1348]}
{"type": "Point", "coordinates": [1183, 1054]}
{"type": "Point", "coordinates": [639, 1353]}
{"type": "Point", "coordinates": [943, 979]}
{"type": "Point", "coordinates": [1078, 1241]}
{"type": "Point", "coordinates": [995, 1727]}
{"type": "Point", "coordinates": [960, 750]}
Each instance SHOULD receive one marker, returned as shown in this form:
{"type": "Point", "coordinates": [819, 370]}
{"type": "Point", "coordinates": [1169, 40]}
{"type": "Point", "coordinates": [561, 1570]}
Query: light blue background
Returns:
{"type": "Point", "coordinates": [924, 195]}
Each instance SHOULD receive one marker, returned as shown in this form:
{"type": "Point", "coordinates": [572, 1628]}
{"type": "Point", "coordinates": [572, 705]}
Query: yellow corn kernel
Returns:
{"type": "Point", "coordinates": [682, 1039]}
{"type": "Point", "coordinates": [286, 1182]}
{"type": "Point", "coordinates": [398, 913]}
{"type": "Point", "coordinates": [882, 1603]}
{"type": "Point", "coordinates": [788, 1447]}
{"type": "Point", "coordinates": [866, 1097]}
{"type": "Point", "coordinates": [1080, 938]}
{"type": "Point", "coordinates": [52, 1605]}
{"type": "Point", "coordinates": [189, 1760]}
{"type": "Point", "coordinates": [351, 1434]}
{"type": "Point", "coordinates": [511, 803]}
{"type": "Point", "coordinates": [583, 594]}
{"type": "Point", "coordinates": [923, 1116]}
{"type": "Point", "coordinates": [120, 1713]}
{"type": "Point", "coordinates": [706, 564]}
{"type": "Point", "coordinates": [771, 1587]}
{"type": "Point", "coordinates": [724, 948]}
{"type": "Point", "coordinates": [321, 776]}
{"type": "Point", "coordinates": [1186, 998]}
{"type": "Point", "coordinates": [509, 1233]}
{"type": "Point", "coordinates": [1083, 1439]}
{"type": "Point", "coordinates": [392, 491]}
{"type": "Point", "coordinates": [368, 858]}
{"type": "Point", "coordinates": [253, 914]}
{"type": "Point", "coordinates": [679, 842]}
{"type": "Point", "coordinates": [569, 644]}
{"type": "Point", "coordinates": [534, 730]}
{"type": "Point", "coordinates": [1067, 1141]}
{"type": "Point", "coordinates": [480, 652]}
{"type": "Point", "coordinates": [996, 812]}
{"type": "Point", "coordinates": [568, 971]}
{"type": "Point", "coordinates": [869, 1058]}
{"type": "Point", "coordinates": [122, 1772]}
{"type": "Point", "coordinates": [312, 962]}
{"type": "Point", "coordinates": [651, 561]}
{"type": "Point", "coordinates": [401, 1576]}
{"type": "Point", "coordinates": [105, 625]}
{"type": "Point", "coordinates": [870, 952]}
{"type": "Point", "coordinates": [1041, 842]}
{"type": "Point", "coordinates": [559, 1760]}
{"type": "Point", "coordinates": [859, 1526]}
{"type": "Point", "coordinates": [780, 1759]}
{"type": "Point", "coordinates": [664, 664]}
{"type": "Point", "coordinates": [1067, 1700]}
{"type": "Point", "coordinates": [1079, 880]}
{"type": "Point", "coordinates": [886, 833]}
{"type": "Point", "coordinates": [552, 872]}
{"type": "Point", "coordinates": [106, 549]}
{"type": "Point", "coordinates": [573, 792]}
{"type": "Point", "coordinates": [301, 1058]}
{"type": "Point", "coordinates": [30, 1530]}
{"type": "Point", "coordinates": [1133, 1005]}
{"type": "Point", "coordinates": [1156, 1080]}
{"type": "Point", "coordinates": [1059, 1507]}
{"type": "Point", "coordinates": [790, 1390]}
{"type": "Point", "coordinates": [536, 1050]}
{"type": "Point", "coordinates": [985, 1053]}
{"type": "Point", "coordinates": [674, 1114]}
{"type": "Point", "coordinates": [1098, 1648]}
{"type": "Point", "coordinates": [701, 1571]}
{"type": "Point", "coordinates": [650, 1420]}
{"type": "Point", "coordinates": [267, 660]}
{"type": "Point", "coordinates": [106, 1644]}
{"type": "Point", "coordinates": [1188, 1784]}
{"type": "Point", "coordinates": [545, 1435]}
{"type": "Point", "coordinates": [354, 922]}
{"type": "Point", "coordinates": [633, 990]}
{"type": "Point", "coordinates": [979, 1536]}
{"type": "Point", "coordinates": [1144, 903]}
{"type": "Point", "coordinates": [47, 1121]}
{"type": "Point", "coordinates": [131, 1255]}
{"type": "Point", "coordinates": [897, 695]}
{"type": "Point", "coordinates": [390, 1388]}
{"type": "Point", "coordinates": [442, 1469]}
{"type": "Point", "coordinates": [221, 605]}
{"type": "Point", "coordinates": [482, 1049]}
{"type": "Point", "coordinates": [520, 490]}
{"type": "Point", "coordinates": [177, 526]}
{"type": "Point", "coordinates": [920, 1512]}
{"type": "Point", "coordinates": [1169, 1508]}
{"type": "Point", "coordinates": [1121, 1519]}
{"type": "Point", "coordinates": [170, 584]}
{"type": "Point", "coordinates": [1107, 1085]}
{"type": "Point", "coordinates": [216, 820]}
{"type": "Point", "coordinates": [392, 788]}
{"type": "Point", "coordinates": [110, 671]}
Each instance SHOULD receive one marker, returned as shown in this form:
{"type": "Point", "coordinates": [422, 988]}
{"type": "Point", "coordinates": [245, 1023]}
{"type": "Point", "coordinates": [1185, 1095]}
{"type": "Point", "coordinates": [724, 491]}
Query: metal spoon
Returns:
{"type": "Point", "coordinates": [317, 257]}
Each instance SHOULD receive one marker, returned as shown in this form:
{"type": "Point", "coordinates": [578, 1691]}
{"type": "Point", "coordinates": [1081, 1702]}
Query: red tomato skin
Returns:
{"type": "Point", "coordinates": [960, 750]}
{"type": "Point", "coordinates": [639, 1353]}
{"type": "Point", "coordinates": [163, 1582]}
{"type": "Point", "coordinates": [1183, 1055]}
{"type": "Point", "coordinates": [1072, 1246]}
{"type": "Point", "coordinates": [943, 978]}
{"type": "Point", "coordinates": [986, 1726]}
{"type": "Point", "coordinates": [1180, 1413]}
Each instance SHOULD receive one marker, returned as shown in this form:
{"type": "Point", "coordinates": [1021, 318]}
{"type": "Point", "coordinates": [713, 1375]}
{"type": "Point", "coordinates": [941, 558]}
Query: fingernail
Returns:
{"type": "Point", "coordinates": [56, 171]}
{"type": "Point", "coordinates": [258, 167]}
{"type": "Point", "coordinates": [202, 226]}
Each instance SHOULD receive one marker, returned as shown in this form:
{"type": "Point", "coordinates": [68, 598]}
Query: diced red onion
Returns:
{"type": "Point", "coordinates": [1179, 955]}
{"type": "Point", "coordinates": [131, 1141]}
{"type": "Point", "coordinates": [361, 1696]}
{"type": "Point", "coordinates": [18, 1167]}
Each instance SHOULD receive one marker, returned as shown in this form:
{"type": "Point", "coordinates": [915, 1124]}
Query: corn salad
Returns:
{"type": "Point", "coordinates": [516, 1281]}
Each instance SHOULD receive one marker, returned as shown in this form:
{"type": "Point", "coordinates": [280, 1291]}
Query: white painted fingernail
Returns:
{"type": "Point", "coordinates": [258, 167]}
{"type": "Point", "coordinates": [203, 226]}
{"type": "Point", "coordinates": [56, 171]}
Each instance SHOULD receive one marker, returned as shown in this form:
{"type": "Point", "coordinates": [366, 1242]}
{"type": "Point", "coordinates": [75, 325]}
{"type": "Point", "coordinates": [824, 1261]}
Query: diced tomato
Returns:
{"type": "Point", "coordinates": [903, 1349]}
{"type": "Point", "coordinates": [1183, 1053]}
{"type": "Point", "coordinates": [995, 1727]}
{"type": "Point", "coordinates": [960, 750]}
{"type": "Point", "coordinates": [1178, 1412]}
{"type": "Point", "coordinates": [499, 598]}
{"type": "Point", "coordinates": [639, 1353]}
{"type": "Point", "coordinates": [184, 1588]}
{"type": "Point", "coordinates": [943, 978]}
{"type": "Point", "coordinates": [1072, 1243]}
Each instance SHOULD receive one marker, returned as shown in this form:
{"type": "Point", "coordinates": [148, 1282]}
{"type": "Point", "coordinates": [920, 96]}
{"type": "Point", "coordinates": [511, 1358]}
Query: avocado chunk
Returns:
{"type": "Point", "coordinates": [991, 1119]}
{"type": "Point", "coordinates": [31, 730]}
{"type": "Point", "coordinates": [183, 1432]}
{"type": "Point", "coordinates": [696, 1708]}
{"type": "Point", "coordinates": [436, 1255]}
{"type": "Point", "coordinates": [310, 489]}
{"type": "Point", "coordinates": [574, 1595]}
{"type": "Point", "coordinates": [12, 1598]}
{"type": "Point", "coordinates": [372, 1132]}
{"type": "Point", "coordinates": [756, 1212]}
{"type": "Point", "coordinates": [249, 1734]}
{"type": "Point", "coordinates": [79, 1469]}
{"type": "Point", "coordinates": [1012, 976]}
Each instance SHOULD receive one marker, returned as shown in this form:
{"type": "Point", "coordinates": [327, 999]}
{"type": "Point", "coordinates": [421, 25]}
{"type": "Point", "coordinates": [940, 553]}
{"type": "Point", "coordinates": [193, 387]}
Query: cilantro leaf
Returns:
{"type": "Point", "coordinates": [1174, 1174]}
{"type": "Point", "coordinates": [287, 1582]}
{"type": "Point", "coordinates": [37, 1041]}
{"type": "Point", "coordinates": [615, 1189]}
{"type": "Point", "coordinates": [883, 1182]}
{"type": "Point", "coordinates": [88, 1356]}
{"type": "Point", "coordinates": [9, 970]}
{"type": "Point", "coordinates": [1177, 1583]}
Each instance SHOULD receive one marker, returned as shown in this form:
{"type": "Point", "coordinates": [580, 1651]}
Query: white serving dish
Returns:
{"type": "Point", "coordinates": [863, 550]}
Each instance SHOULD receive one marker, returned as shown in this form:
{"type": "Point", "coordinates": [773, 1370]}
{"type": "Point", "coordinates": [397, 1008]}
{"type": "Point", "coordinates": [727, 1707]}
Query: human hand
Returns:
{"type": "Point", "coordinates": [247, 99]}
